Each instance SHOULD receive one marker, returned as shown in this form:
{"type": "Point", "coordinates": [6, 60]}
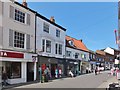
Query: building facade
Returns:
{"type": "Point", "coordinates": [17, 46]}
{"type": "Point", "coordinates": [77, 56]}
{"type": "Point", "coordinates": [92, 59]}
{"type": "Point", "coordinates": [50, 43]}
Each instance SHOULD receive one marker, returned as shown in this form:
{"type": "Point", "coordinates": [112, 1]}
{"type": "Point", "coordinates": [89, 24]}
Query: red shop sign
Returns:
{"type": "Point", "coordinates": [11, 54]}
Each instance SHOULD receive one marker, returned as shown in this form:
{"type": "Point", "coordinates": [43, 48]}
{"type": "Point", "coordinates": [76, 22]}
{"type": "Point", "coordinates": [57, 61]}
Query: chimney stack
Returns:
{"type": "Point", "coordinates": [81, 40]}
{"type": "Point", "coordinates": [52, 19]}
{"type": "Point", "coordinates": [24, 3]}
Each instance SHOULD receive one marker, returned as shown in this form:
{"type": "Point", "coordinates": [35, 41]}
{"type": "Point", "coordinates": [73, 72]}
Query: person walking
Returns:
{"type": "Point", "coordinates": [4, 78]}
{"type": "Point", "coordinates": [60, 73]}
{"type": "Point", "coordinates": [96, 71]}
{"type": "Point", "coordinates": [46, 74]}
{"type": "Point", "coordinates": [71, 74]}
{"type": "Point", "coordinates": [40, 72]}
{"type": "Point", "coordinates": [56, 73]}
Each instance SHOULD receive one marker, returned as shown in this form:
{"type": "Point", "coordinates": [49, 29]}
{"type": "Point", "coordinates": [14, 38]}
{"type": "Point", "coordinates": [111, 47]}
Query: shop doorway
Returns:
{"type": "Point", "coordinates": [53, 67]}
{"type": "Point", "coordinates": [30, 71]}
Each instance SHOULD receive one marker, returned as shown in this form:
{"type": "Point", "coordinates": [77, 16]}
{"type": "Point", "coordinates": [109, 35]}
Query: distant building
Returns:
{"type": "Point", "coordinates": [77, 55]}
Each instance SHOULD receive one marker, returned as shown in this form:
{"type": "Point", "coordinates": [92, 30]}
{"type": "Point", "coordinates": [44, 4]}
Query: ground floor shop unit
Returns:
{"type": "Point", "coordinates": [85, 67]}
{"type": "Point", "coordinates": [73, 65]}
{"type": "Point", "coordinates": [93, 65]}
{"type": "Point", "coordinates": [18, 66]}
{"type": "Point", "coordinates": [56, 66]}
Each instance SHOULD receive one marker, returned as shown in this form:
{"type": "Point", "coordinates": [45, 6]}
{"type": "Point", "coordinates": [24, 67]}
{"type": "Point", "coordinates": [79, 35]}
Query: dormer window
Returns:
{"type": "Point", "coordinates": [71, 43]}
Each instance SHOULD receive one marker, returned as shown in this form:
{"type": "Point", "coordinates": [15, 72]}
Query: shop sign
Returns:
{"type": "Point", "coordinates": [11, 54]}
{"type": "Point", "coordinates": [34, 58]}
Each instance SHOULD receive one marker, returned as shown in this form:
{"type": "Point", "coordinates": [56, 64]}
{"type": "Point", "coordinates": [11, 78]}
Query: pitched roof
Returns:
{"type": "Point", "coordinates": [100, 52]}
{"type": "Point", "coordinates": [41, 16]}
{"type": "Point", "coordinates": [78, 44]}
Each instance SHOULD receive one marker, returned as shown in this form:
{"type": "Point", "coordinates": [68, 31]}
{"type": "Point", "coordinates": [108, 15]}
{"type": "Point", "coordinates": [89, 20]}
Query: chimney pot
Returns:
{"type": "Point", "coordinates": [81, 40]}
{"type": "Point", "coordinates": [24, 3]}
{"type": "Point", "coordinates": [52, 19]}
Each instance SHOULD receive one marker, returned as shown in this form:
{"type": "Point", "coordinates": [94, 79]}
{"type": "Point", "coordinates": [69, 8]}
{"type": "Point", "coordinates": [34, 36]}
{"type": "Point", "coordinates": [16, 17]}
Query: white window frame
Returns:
{"type": "Point", "coordinates": [19, 40]}
{"type": "Point", "coordinates": [68, 53]}
{"type": "Point", "coordinates": [50, 46]}
{"type": "Point", "coordinates": [46, 27]}
{"type": "Point", "coordinates": [19, 16]}
{"type": "Point", "coordinates": [57, 33]}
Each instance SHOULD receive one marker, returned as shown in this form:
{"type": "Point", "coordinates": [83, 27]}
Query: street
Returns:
{"type": "Point", "coordinates": [82, 81]}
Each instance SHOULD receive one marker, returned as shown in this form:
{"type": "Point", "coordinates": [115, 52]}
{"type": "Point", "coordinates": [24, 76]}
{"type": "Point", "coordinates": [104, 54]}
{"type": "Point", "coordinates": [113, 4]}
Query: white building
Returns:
{"type": "Point", "coordinates": [77, 55]}
{"type": "Point", "coordinates": [17, 38]}
{"type": "Point", "coordinates": [50, 41]}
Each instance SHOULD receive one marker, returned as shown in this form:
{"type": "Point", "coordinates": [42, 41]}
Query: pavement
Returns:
{"type": "Point", "coordinates": [109, 81]}
{"type": "Point", "coordinates": [91, 80]}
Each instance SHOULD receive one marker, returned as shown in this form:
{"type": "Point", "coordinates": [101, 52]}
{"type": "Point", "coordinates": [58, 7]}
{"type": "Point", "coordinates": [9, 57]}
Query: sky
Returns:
{"type": "Point", "coordinates": [93, 22]}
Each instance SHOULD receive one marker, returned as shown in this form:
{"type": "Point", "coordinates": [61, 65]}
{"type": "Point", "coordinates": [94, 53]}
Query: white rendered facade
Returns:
{"type": "Point", "coordinates": [17, 37]}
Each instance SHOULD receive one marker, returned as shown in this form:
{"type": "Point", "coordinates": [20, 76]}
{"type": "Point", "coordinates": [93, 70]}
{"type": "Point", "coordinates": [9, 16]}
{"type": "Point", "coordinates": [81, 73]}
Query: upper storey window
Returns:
{"type": "Point", "coordinates": [19, 15]}
{"type": "Point", "coordinates": [46, 27]}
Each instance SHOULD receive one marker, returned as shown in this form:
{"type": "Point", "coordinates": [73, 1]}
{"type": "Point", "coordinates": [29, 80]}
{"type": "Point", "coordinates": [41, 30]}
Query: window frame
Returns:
{"type": "Point", "coordinates": [20, 17]}
{"type": "Point", "coordinates": [68, 53]}
{"type": "Point", "coordinates": [57, 33]}
{"type": "Point", "coordinates": [19, 40]}
{"type": "Point", "coordinates": [60, 49]}
{"type": "Point", "coordinates": [46, 27]}
{"type": "Point", "coordinates": [48, 42]}
{"type": "Point", "coordinates": [43, 45]}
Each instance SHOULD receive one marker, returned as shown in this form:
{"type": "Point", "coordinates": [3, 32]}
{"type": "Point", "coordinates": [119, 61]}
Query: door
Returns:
{"type": "Point", "coordinates": [30, 71]}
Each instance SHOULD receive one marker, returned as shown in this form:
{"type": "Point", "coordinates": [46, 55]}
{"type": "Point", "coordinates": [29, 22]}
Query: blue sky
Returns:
{"type": "Point", "coordinates": [93, 22]}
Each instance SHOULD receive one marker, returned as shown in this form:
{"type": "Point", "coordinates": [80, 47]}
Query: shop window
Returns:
{"type": "Point", "coordinates": [13, 70]}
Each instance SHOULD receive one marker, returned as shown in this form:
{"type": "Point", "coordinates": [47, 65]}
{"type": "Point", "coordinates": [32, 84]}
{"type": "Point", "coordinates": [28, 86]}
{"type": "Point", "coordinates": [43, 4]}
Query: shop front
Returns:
{"type": "Point", "coordinates": [61, 65]}
{"type": "Point", "coordinates": [85, 67]}
{"type": "Point", "coordinates": [72, 65]}
{"type": "Point", "coordinates": [50, 62]}
{"type": "Point", "coordinates": [15, 66]}
{"type": "Point", "coordinates": [93, 65]}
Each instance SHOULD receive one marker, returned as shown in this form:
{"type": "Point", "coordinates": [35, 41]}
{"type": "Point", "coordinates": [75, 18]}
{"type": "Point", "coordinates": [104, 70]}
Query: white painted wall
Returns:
{"type": "Point", "coordinates": [109, 50]}
{"type": "Point", "coordinates": [77, 51]}
{"type": "Point", "coordinates": [49, 36]}
{"type": "Point", "coordinates": [9, 23]}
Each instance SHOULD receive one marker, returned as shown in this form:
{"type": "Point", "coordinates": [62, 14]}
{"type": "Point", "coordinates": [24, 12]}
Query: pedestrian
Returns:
{"type": "Point", "coordinates": [96, 71]}
{"type": "Point", "coordinates": [71, 74]}
{"type": "Point", "coordinates": [46, 74]}
{"type": "Point", "coordinates": [60, 72]}
{"type": "Point", "coordinates": [40, 72]}
{"type": "Point", "coordinates": [4, 78]}
{"type": "Point", "coordinates": [56, 73]}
